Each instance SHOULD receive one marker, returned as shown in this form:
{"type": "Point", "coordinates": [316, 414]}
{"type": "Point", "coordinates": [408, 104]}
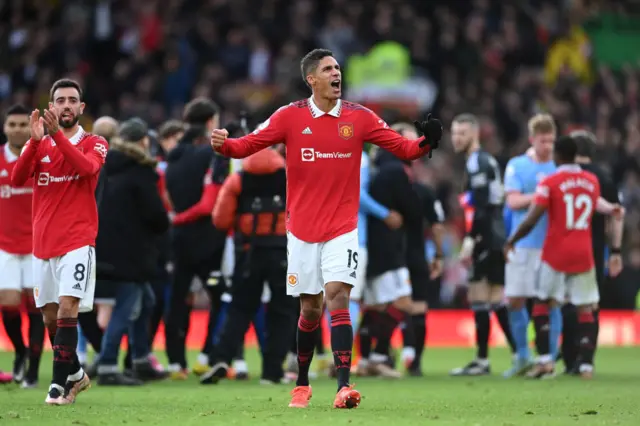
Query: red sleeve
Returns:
{"type": "Point", "coordinates": [85, 164]}
{"type": "Point", "coordinates": [162, 190]}
{"type": "Point", "coordinates": [542, 194]}
{"type": "Point", "coordinates": [225, 210]}
{"type": "Point", "coordinates": [25, 166]}
{"type": "Point", "coordinates": [268, 133]}
{"type": "Point", "coordinates": [204, 207]}
{"type": "Point", "coordinates": [379, 133]}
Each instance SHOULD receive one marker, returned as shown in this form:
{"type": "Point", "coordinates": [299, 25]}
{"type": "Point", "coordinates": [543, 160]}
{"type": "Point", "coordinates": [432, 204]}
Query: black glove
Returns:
{"type": "Point", "coordinates": [431, 129]}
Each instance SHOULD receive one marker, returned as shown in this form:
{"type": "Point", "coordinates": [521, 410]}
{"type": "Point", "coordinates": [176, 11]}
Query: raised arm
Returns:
{"type": "Point", "coordinates": [25, 165]}
{"type": "Point", "coordinates": [270, 132]}
{"type": "Point", "coordinates": [85, 164]}
{"type": "Point", "coordinates": [378, 132]}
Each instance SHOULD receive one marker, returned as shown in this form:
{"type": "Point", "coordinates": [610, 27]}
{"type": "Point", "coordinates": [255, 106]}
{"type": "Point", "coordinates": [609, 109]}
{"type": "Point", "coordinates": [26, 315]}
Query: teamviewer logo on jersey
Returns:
{"type": "Point", "coordinates": [308, 154]}
{"type": "Point", "coordinates": [43, 179]}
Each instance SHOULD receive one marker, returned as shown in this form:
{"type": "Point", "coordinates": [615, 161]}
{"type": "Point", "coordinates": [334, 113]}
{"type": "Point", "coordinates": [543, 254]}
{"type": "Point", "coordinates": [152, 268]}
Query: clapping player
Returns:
{"type": "Point", "coordinates": [65, 165]}
{"type": "Point", "coordinates": [324, 137]}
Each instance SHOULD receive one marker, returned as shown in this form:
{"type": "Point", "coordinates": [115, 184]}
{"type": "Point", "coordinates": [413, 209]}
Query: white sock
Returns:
{"type": "Point", "coordinates": [240, 365]}
{"type": "Point", "coordinates": [76, 376]}
{"type": "Point", "coordinates": [203, 359]}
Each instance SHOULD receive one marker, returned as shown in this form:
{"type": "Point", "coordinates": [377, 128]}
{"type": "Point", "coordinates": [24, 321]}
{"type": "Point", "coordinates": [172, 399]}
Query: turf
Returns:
{"type": "Point", "coordinates": [437, 399]}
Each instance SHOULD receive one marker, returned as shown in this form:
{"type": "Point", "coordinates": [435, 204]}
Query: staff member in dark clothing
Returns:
{"type": "Point", "coordinates": [168, 136]}
{"type": "Point", "coordinates": [388, 291]}
{"type": "Point", "coordinates": [253, 202]}
{"type": "Point", "coordinates": [422, 274]}
{"type": "Point", "coordinates": [586, 142]}
{"type": "Point", "coordinates": [196, 244]}
{"type": "Point", "coordinates": [132, 217]}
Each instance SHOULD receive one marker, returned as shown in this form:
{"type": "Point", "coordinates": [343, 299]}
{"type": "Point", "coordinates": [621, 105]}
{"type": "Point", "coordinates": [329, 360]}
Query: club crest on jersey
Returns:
{"type": "Point", "coordinates": [345, 130]}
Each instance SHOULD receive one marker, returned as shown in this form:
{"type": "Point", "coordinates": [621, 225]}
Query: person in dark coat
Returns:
{"type": "Point", "coordinates": [131, 218]}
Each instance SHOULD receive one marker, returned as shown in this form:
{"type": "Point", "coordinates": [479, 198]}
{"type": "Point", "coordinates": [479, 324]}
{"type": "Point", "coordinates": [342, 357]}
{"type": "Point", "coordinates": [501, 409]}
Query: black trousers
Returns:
{"type": "Point", "coordinates": [270, 266]}
{"type": "Point", "coordinates": [179, 314]}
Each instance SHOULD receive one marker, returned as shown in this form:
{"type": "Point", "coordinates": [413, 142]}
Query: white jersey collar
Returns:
{"type": "Point", "coordinates": [317, 112]}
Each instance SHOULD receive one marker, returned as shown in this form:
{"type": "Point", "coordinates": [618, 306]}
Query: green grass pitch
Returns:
{"type": "Point", "coordinates": [612, 398]}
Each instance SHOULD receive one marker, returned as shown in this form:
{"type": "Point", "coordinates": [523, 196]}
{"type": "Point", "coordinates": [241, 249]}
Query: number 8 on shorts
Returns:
{"type": "Point", "coordinates": [72, 274]}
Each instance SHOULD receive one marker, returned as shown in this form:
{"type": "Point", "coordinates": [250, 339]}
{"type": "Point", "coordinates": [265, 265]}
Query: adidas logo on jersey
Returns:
{"type": "Point", "coordinates": [306, 131]}
{"type": "Point", "coordinates": [77, 286]}
{"type": "Point", "coordinates": [4, 173]}
{"type": "Point", "coordinates": [45, 159]}
{"type": "Point", "coordinates": [353, 274]}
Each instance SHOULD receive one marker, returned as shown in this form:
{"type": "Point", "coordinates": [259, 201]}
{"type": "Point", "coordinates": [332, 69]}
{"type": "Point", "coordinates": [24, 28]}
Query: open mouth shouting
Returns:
{"type": "Point", "coordinates": [336, 85]}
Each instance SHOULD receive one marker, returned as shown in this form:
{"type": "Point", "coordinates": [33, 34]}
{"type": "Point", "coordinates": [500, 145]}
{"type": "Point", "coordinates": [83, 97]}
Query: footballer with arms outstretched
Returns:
{"type": "Point", "coordinates": [65, 166]}
{"type": "Point", "coordinates": [324, 138]}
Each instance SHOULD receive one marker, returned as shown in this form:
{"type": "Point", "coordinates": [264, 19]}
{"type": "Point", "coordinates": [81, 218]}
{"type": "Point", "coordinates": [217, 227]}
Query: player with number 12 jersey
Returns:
{"type": "Point", "coordinates": [570, 196]}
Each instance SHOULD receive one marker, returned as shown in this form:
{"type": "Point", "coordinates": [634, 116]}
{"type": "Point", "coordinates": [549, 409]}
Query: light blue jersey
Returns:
{"type": "Point", "coordinates": [522, 175]}
{"type": "Point", "coordinates": [368, 206]}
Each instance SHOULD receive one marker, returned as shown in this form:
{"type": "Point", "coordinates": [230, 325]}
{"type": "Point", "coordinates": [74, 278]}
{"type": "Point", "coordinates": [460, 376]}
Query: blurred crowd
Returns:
{"type": "Point", "coordinates": [501, 61]}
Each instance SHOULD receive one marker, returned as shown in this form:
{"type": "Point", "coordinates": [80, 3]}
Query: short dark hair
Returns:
{"type": "Point", "coordinates": [65, 83]}
{"type": "Point", "coordinates": [17, 110]}
{"type": "Point", "coordinates": [310, 62]}
{"type": "Point", "coordinates": [170, 128]}
{"type": "Point", "coordinates": [199, 111]}
{"type": "Point", "coordinates": [565, 149]}
{"type": "Point", "coordinates": [586, 142]}
{"type": "Point", "coordinates": [195, 132]}
{"type": "Point", "coordinates": [467, 118]}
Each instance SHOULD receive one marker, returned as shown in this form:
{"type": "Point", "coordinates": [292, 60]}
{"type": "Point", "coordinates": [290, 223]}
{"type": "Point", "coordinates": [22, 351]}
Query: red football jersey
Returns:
{"type": "Point", "coordinates": [570, 196]}
{"type": "Point", "coordinates": [323, 153]}
{"type": "Point", "coordinates": [15, 208]}
{"type": "Point", "coordinates": [65, 171]}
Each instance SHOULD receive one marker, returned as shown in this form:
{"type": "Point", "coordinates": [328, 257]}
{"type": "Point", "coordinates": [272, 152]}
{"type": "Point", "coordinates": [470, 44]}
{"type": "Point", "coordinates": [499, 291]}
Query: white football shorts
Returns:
{"type": "Point", "coordinates": [72, 274]}
{"type": "Point", "coordinates": [579, 289]}
{"type": "Point", "coordinates": [16, 271]}
{"type": "Point", "coordinates": [388, 287]}
{"type": "Point", "coordinates": [521, 273]}
{"type": "Point", "coordinates": [312, 265]}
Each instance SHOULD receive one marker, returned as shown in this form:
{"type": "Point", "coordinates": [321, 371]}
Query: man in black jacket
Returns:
{"type": "Point", "coordinates": [388, 288]}
{"type": "Point", "coordinates": [196, 244]}
{"type": "Point", "coordinates": [132, 217]}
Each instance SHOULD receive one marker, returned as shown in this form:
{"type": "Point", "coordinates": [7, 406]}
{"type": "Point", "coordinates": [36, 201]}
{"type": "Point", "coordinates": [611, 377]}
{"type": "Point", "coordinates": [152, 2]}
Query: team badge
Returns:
{"type": "Point", "coordinates": [345, 130]}
{"type": "Point", "coordinates": [292, 279]}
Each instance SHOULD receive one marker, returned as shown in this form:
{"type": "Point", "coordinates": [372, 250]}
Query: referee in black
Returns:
{"type": "Point", "coordinates": [586, 142]}
{"type": "Point", "coordinates": [423, 276]}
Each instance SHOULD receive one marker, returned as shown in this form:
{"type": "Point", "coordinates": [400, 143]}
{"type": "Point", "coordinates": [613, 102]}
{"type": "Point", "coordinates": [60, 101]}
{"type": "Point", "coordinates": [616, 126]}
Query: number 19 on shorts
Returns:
{"type": "Point", "coordinates": [352, 259]}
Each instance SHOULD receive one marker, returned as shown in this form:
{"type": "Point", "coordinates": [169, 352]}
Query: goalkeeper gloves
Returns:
{"type": "Point", "coordinates": [431, 129]}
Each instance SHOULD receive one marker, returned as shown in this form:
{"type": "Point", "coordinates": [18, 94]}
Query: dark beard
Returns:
{"type": "Point", "coordinates": [68, 124]}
